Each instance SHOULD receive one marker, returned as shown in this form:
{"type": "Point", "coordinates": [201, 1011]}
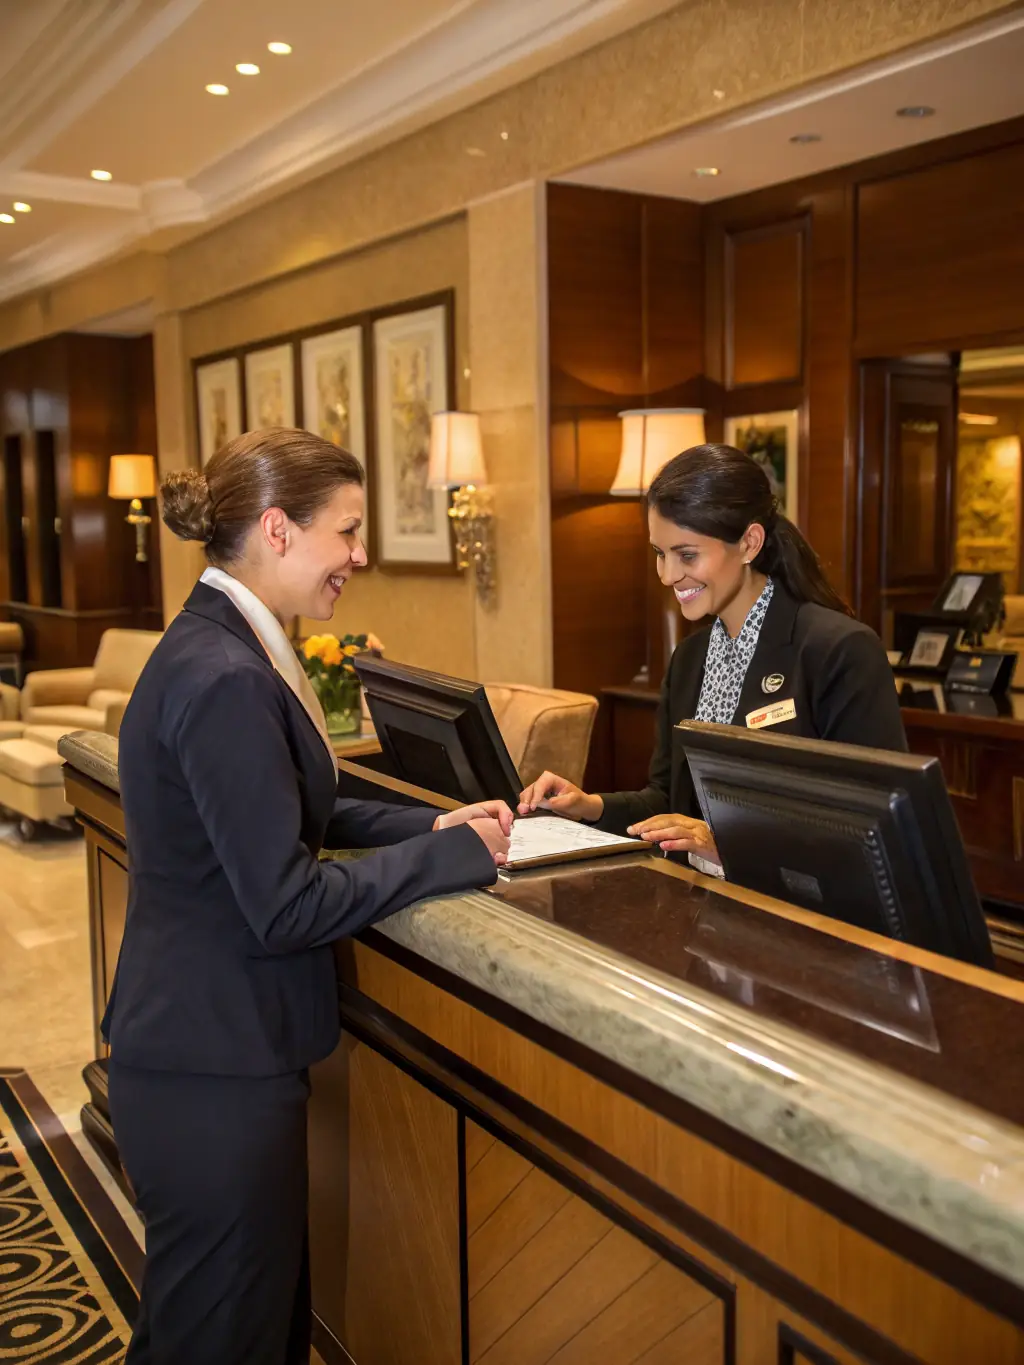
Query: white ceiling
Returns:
{"type": "Point", "coordinates": [119, 85]}
{"type": "Point", "coordinates": [973, 78]}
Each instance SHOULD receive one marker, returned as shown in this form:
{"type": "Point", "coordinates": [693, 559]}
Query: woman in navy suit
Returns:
{"type": "Point", "coordinates": [225, 991]}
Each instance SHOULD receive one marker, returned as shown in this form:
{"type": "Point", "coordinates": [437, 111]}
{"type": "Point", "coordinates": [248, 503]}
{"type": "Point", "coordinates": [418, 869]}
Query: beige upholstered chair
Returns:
{"type": "Point", "coordinates": [11, 724]}
{"type": "Point", "coordinates": [1012, 638]}
{"type": "Point", "coordinates": [90, 698]}
{"type": "Point", "coordinates": [12, 647]}
{"type": "Point", "coordinates": [544, 728]}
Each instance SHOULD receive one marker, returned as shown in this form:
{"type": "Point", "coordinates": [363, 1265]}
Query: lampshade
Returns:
{"type": "Point", "coordinates": [456, 451]}
{"type": "Point", "coordinates": [132, 476]}
{"type": "Point", "coordinates": [650, 438]}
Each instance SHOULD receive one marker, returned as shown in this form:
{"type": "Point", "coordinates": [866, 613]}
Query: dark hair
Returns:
{"type": "Point", "coordinates": [277, 467]}
{"type": "Point", "coordinates": [717, 490]}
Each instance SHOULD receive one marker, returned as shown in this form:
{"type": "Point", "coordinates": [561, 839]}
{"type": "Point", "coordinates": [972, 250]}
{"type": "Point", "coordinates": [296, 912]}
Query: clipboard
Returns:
{"type": "Point", "coordinates": [603, 846]}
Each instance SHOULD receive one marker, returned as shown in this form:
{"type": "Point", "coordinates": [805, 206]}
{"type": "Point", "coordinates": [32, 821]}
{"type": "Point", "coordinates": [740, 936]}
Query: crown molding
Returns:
{"type": "Point", "coordinates": [70, 189]}
{"type": "Point", "coordinates": [64, 254]}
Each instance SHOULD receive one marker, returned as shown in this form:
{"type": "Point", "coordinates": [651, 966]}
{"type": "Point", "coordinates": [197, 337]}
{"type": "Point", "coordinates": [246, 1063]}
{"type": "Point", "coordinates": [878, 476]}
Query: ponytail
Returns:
{"type": "Point", "coordinates": [717, 490]}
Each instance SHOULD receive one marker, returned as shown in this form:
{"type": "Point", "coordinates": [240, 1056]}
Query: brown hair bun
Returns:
{"type": "Point", "coordinates": [187, 505]}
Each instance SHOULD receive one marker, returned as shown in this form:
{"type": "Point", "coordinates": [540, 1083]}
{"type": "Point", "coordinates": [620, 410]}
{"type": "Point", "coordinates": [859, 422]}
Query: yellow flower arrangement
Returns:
{"type": "Point", "coordinates": [329, 666]}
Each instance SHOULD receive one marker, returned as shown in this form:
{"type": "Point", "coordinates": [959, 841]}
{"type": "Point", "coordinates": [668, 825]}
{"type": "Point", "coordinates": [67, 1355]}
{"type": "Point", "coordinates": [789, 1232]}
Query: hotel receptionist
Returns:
{"type": "Point", "coordinates": [782, 650]}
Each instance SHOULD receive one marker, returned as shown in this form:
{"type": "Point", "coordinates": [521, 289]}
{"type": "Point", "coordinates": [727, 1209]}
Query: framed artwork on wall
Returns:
{"type": "Point", "coordinates": [772, 439]}
{"type": "Point", "coordinates": [412, 380]}
{"type": "Point", "coordinates": [332, 389]}
{"type": "Point", "coordinates": [218, 405]}
{"type": "Point", "coordinates": [270, 388]}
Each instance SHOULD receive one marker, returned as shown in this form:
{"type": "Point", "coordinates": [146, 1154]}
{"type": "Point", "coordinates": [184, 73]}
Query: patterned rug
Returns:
{"type": "Point", "coordinates": [69, 1266]}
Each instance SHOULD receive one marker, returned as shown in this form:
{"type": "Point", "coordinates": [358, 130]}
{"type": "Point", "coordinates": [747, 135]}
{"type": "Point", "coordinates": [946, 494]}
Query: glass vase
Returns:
{"type": "Point", "coordinates": [344, 709]}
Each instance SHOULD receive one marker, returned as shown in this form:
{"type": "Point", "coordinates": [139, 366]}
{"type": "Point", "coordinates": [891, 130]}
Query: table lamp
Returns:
{"type": "Point", "coordinates": [457, 465]}
{"type": "Point", "coordinates": [132, 478]}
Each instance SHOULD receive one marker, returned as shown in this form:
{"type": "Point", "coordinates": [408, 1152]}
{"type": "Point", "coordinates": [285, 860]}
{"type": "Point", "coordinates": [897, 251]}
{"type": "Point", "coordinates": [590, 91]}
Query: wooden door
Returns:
{"type": "Point", "coordinates": [906, 478]}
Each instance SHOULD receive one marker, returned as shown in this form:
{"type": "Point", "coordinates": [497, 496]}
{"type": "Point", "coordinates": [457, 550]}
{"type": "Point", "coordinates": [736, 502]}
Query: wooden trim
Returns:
{"type": "Point", "coordinates": [798, 225]}
{"type": "Point", "coordinates": [98, 804]}
{"type": "Point", "coordinates": [1018, 819]}
{"type": "Point", "coordinates": [792, 1343]}
{"type": "Point", "coordinates": [394, 784]}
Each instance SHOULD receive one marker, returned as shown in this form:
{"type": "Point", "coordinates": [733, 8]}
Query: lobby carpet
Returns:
{"type": "Point", "coordinates": [69, 1266]}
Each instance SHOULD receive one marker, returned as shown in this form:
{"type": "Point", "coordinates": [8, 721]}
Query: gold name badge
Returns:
{"type": "Point", "coordinates": [771, 715]}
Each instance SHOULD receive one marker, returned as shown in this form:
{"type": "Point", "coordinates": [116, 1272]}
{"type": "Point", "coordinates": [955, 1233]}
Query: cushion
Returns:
{"type": "Point", "coordinates": [70, 717]}
{"type": "Point", "coordinates": [104, 697]}
{"type": "Point", "coordinates": [544, 728]}
{"type": "Point", "coordinates": [121, 657]}
{"type": "Point", "coordinates": [10, 702]}
{"type": "Point", "coordinates": [11, 729]}
{"type": "Point", "coordinates": [50, 735]}
{"type": "Point", "coordinates": [36, 765]}
{"type": "Point", "coordinates": [12, 638]}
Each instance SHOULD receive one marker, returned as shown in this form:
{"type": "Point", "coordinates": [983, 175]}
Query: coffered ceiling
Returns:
{"type": "Point", "coordinates": [120, 86]}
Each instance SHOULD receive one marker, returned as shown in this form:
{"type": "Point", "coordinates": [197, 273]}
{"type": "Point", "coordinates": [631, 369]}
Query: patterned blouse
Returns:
{"type": "Point", "coordinates": [727, 663]}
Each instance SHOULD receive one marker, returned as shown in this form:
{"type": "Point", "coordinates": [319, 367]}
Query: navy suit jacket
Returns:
{"type": "Point", "coordinates": [228, 795]}
{"type": "Point", "coordinates": [833, 668]}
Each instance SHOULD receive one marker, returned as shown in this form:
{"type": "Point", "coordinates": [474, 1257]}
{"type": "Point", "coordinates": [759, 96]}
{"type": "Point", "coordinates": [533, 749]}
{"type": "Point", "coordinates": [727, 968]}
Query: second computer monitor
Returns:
{"type": "Point", "coordinates": [438, 733]}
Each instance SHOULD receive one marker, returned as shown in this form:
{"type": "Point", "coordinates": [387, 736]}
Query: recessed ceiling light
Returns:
{"type": "Point", "coordinates": [802, 139]}
{"type": "Point", "coordinates": [703, 171]}
{"type": "Point", "coordinates": [6, 217]}
{"type": "Point", "coordinates": [279, 49]}
{"type": "Point", "coordinates": [247, 68]}
{"type": "Point", "coordinates": [504, 135]}
{"type": "Point", "coordinates": [101, 175]}
{"type": "Point", "coordinates": [718, 94]}
{"type": "Point", "coordinates": [475, 151]}
{"type": "Point", "coordinates": [216, 89]}
{"type": "Point", "coordinates": [915, 111]}
{"type": "Point", "coordinates": [978, 419]}
{"type": "Point", "coordinates": [19, 207]}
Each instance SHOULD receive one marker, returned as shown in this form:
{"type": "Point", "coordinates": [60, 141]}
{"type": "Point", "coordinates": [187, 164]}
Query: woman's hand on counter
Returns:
{"type": "Point", "coordinates": [490, 820]}
{"type": "Point", "coordinates": [678, 834]}
{"type": "Point", "coordinates": [558, 794]}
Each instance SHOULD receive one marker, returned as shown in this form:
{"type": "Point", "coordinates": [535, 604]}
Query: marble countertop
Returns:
{"type": "Point", "coordinates": [936, 1163]}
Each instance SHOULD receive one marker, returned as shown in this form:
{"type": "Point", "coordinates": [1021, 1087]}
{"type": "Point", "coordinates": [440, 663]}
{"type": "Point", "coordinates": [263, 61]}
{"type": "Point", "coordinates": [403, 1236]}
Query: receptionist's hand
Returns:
{"type": "Point", "coordinates": [483, 810]}
{"type": "Point", "coordinates": [678, 834]}
{"type": "Point", "coordinates": [558, 794]}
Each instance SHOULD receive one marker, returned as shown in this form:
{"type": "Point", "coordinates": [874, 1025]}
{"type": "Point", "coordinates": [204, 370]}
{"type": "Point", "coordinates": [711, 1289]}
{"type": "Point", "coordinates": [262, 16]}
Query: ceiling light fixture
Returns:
{"type": "Point", "coordinates": [101, 175]}
{"type": "Point", "coordinates": [803, 139]}
{"type": "Point", "coordinates": [978, 419]}
{"type": "Point", "coordinates": [718, 94]}
{"type": "Point", "coordinates": [216, 89]}
{"type": "Point", "coordinates": [247, 68]}
{"type": "Point", "coordinates": [19, 207]}
{"type": "Point", "coordinates": [6, 217]}
{"type": "Point", "coordinates": [279, 49]}
{"type": "Point", "coordinates": [704, 171]}
{"type": "Point", "coordinates": [915, 111]}
{"type": "Point", "coordinates": [504, 135]}
{"type": "Point", "coordinates": [475, 151]}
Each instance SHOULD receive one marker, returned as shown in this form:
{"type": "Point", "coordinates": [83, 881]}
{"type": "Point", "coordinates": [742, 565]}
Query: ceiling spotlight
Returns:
{"type": "Point", "coordinates": [703, 171]}
{"type": "Point", "coordinates": [475, 151]}
{"type": "Point", "coordinates": [279, 49]}
{"type": "Point", "coordinates": [802, 139]}
{"type": "Point", "coordinates": [915, 111]}
{"type": "Point", "coordinates": [6, 217]}
{"type": "Point", "coordinates": [978, 419]}
{"type": "Point", "coordinates": [19, 207]}
{"type": "Point", "coordinates": [247, 69]}
{"type": "Point", "coordinates": [101, 175]}
{"type": "Point", "coordinates": [718, 94]}
{"type": "Point", "coordinates": [504, 135]}
{"type": "Point", "coordinates": [216, 89]}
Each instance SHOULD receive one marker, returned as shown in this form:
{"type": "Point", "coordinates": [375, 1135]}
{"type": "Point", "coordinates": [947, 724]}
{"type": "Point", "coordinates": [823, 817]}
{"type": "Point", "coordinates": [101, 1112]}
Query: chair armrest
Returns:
{"type": "Point", "coordinates": [115, 715]}
{"type": "Point", "coordinates": [58, 687]}
{"type": "Point", "coordinates": [10, 702]}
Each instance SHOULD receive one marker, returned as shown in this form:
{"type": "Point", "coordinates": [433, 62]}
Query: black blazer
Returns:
{"type": "Point", "coordinates": [833, 668]}
{"type": "Point", "coordinates": [228, 795]}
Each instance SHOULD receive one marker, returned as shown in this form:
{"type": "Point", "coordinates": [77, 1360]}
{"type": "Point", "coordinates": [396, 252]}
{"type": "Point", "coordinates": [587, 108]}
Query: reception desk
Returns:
{"type": "Point", "coordinates": [617, 1113]}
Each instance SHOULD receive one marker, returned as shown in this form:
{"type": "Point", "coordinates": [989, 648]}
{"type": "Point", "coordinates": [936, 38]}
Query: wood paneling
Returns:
{"type": "Point", "coordinates": [551, 1279]}
{"type": "Point", "coordinates": [384, 1212]}
{"type": "Point", "coordinates": [764, 305]}
{"type": "Point", "coordinates": [938, 250]}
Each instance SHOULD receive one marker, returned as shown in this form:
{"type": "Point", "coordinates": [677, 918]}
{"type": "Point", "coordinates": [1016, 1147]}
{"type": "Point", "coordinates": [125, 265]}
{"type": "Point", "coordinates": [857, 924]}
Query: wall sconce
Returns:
{"type": "Point", "coordinates": [650, 438]}
{"type": "Point", "coordinates": [457, 464]}
{"type": "Point", "coordinates": [132, 478]}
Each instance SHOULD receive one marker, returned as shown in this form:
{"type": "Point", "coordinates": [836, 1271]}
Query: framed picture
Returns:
{"type": "Point", "coordinates": [270, 388]}
{"type": "Point", "coordinates": [218, 405]}
{"type": "Point", "coordinates": [412, 380]}
{"type": "Point", "coordinates": [772, 439]}
{"type": "Point", "coordinates": [933, 648]}
{"type": "Point", "coordinates": [332, 389]}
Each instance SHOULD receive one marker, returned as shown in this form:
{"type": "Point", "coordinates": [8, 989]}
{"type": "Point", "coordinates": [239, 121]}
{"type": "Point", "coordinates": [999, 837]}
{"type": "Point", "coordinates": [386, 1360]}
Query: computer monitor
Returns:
{"type": "Point", "coordinates": [438, 733]}
{"type": "Point", "coordinates": [863, 835]}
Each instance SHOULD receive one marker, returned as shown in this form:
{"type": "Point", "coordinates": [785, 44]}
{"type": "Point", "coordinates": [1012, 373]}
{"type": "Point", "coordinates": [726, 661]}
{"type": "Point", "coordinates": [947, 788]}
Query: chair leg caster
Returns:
{"type": "Point", "coordinates": [27, 829]}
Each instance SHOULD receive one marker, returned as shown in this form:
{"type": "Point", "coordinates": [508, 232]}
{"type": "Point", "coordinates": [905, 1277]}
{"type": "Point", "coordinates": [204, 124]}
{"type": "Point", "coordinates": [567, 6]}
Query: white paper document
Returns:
{"type": "Point", "coordinates": [552, 836]}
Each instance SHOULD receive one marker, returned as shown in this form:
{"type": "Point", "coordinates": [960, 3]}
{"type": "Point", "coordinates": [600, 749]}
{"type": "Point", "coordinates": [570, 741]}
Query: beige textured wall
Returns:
{"type": "Point", "coordinates": [426, 620]}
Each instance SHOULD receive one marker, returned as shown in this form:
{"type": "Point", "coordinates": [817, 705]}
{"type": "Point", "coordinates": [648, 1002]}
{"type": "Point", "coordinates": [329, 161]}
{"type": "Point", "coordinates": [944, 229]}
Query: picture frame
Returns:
{"type": "Point", "coordinates": [218, 404]}
{"type": "Point", "coordinates": [933, 648]}
{"type": "Point", "coordinates": [333, 395]}
{"type": "Point", "coordinates": [773, 440]}
{"type": "Point", "coordinates": [270, 387]}
{"type": "Point", "coordinates": [412, 374]}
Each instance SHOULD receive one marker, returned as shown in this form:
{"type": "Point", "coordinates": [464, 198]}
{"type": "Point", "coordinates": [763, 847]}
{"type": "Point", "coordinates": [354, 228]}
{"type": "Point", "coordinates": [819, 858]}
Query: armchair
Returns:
{"type": "Point", "coordinates": [90, 698]}
{"type": "Point", "coordinates": [544, 728]}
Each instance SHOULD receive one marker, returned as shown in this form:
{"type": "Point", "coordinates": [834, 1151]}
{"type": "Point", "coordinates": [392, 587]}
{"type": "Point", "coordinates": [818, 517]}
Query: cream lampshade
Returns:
{"type": "Point", "coordinates": [650, 438]}
{"type": "Point", "coordinates": [456, 451]}
{"type": "Point", "coordinates": [132, 478]}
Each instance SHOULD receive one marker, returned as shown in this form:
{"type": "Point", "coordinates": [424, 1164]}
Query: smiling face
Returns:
{"type": "Point", "coordinates": [707, 575]}
{"type": "Point", "coordinates": [305, 568]}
